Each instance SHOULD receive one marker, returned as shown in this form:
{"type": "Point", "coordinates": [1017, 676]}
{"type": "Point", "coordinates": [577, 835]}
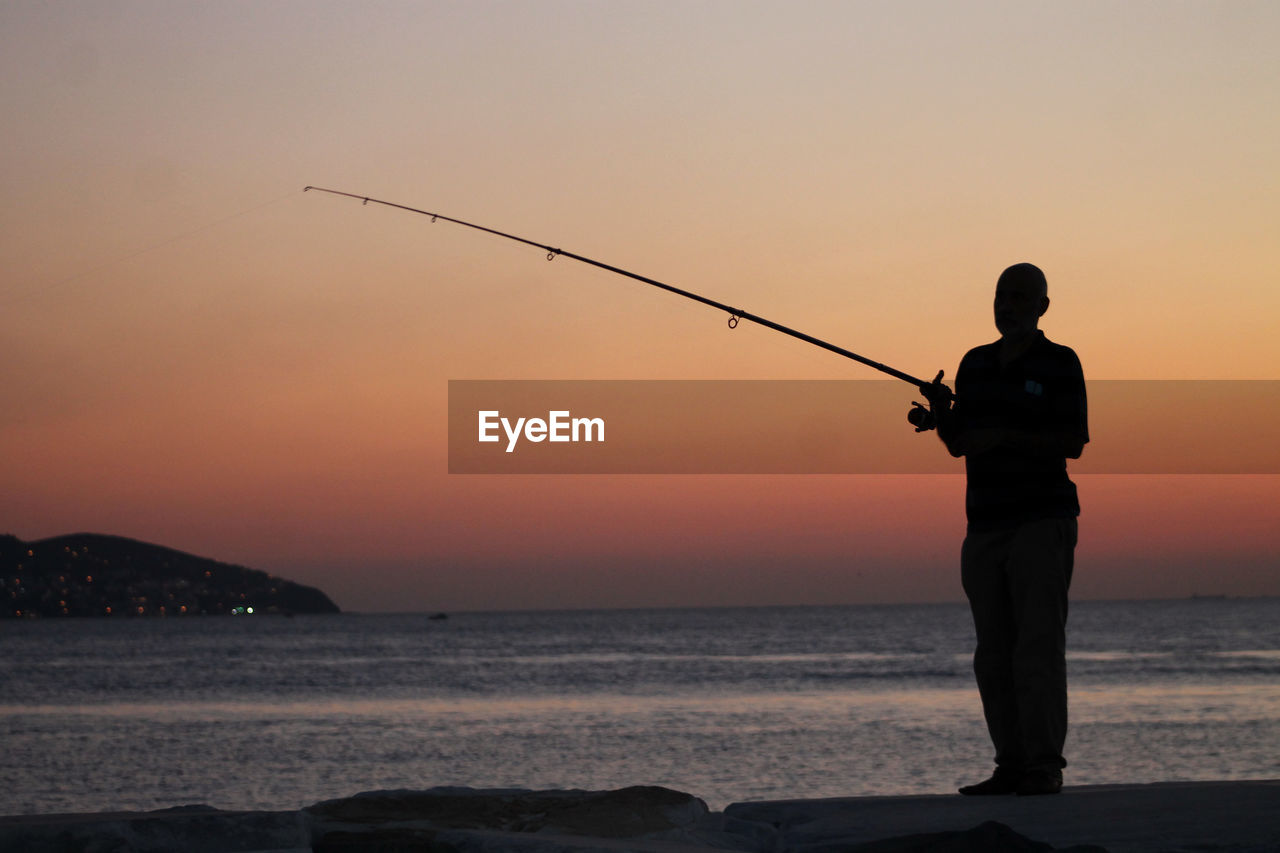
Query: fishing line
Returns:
{"type": "Point", "coordinates": [736, 315]}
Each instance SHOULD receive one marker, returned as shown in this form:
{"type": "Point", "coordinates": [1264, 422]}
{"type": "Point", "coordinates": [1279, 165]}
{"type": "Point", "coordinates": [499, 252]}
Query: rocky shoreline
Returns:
{"type": "Point", "coordinates": [1181, 816]}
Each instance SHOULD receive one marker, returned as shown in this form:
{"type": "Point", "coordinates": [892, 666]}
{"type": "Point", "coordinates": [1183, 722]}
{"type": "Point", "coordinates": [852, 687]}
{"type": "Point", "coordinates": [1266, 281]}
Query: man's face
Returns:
{"type": "Point", "coordinates": [1018, 307]}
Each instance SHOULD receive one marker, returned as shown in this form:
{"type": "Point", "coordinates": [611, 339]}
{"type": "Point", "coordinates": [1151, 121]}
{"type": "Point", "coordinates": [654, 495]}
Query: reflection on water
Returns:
{"type": "Point", "coordinates": [724, 748]}
{"type": "Point", "coordinates": [729, 705]}
{"type": "Point", "coordinates": [1114, 657]}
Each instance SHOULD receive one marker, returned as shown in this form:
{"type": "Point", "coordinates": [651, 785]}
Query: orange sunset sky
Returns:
{"type": "Point", "coordinates": [194, 352]}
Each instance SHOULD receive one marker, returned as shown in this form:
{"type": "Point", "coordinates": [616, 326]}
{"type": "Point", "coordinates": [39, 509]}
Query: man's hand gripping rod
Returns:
{"type": "Point", "coordinates": [923, 417]}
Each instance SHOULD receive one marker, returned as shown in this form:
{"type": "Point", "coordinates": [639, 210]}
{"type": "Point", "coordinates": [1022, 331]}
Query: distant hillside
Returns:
{"type": "Point", "coordinates": [88, 574]}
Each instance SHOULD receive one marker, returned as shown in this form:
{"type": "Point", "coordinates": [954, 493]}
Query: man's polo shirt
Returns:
{"type": "Point", "coordinates": [1040, 391]}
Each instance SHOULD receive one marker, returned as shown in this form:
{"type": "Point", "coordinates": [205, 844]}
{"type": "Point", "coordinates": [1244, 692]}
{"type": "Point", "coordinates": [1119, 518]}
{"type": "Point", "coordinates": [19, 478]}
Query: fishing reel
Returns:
{"type": "Point", "coordinates": [921, 417]}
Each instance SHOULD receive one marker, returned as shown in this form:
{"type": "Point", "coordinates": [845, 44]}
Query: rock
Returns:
{"type": "Point", "coordinates": [460, 819]}
{"type": "Point", "coordinates": [624, 813]}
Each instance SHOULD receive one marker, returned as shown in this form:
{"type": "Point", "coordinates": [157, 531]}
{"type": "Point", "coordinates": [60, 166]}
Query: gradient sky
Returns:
{"type": "Point", "coordinates": [193, 352]}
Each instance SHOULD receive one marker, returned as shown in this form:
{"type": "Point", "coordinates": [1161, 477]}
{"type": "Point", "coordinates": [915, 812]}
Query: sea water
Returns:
{"type": "Point", "coordinates": [727, 704]}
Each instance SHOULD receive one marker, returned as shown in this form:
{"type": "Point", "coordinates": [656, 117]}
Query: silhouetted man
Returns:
{"type": "Point", "coordinates": [1019, 414]}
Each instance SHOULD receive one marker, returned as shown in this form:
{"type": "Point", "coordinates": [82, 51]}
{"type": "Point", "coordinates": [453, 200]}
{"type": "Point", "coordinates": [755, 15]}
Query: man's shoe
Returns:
{"type": "Point", "coordinates": [1038, 782]}
{"type": "Point", "coordinates": [999, 784]}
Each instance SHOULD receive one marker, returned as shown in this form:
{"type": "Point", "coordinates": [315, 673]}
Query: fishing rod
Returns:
{"type": "Point", "coordinates": [919, 416]}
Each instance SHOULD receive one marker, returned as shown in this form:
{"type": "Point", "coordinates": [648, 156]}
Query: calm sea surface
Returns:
{"type": "Point", "coordinates": [727, 704]}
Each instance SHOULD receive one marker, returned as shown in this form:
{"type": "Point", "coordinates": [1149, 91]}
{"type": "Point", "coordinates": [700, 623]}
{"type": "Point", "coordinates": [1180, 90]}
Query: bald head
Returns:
{"type": "Point", "coordinates": [1028, 277]}
{"type": "Point", "coordinates": [1021, 299]}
